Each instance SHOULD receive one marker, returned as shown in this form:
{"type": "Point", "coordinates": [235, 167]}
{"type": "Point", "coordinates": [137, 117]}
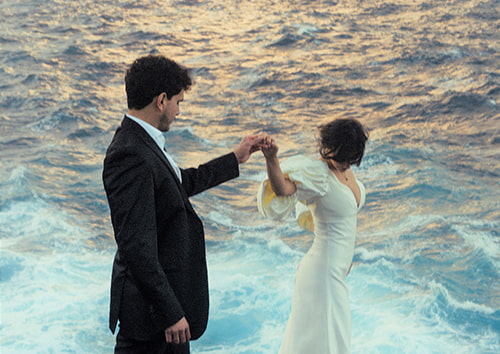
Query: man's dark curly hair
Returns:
{"type": "Point", "coordinates": [151, 75]}
{"type": "Point", "coordinates": [343, 140]}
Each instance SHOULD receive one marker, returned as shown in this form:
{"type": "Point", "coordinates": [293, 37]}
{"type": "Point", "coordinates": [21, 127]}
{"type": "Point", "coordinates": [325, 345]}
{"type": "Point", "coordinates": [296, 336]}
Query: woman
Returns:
{"type": "Point", "coordinates": [326, 197]}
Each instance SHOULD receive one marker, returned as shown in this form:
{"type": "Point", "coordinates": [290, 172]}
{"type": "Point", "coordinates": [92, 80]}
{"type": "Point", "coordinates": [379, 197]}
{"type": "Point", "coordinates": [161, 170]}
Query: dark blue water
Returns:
{"type": "Point", "coordinates": [424, 76]}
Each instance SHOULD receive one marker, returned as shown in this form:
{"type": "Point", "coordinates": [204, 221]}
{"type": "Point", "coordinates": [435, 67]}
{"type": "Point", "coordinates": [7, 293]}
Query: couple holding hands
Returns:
{"type": "Point", "coordinates": [159, 285]}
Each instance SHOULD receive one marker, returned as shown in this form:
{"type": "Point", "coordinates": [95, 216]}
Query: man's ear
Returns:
{"type": "Point", "coordinates": [160, 100]}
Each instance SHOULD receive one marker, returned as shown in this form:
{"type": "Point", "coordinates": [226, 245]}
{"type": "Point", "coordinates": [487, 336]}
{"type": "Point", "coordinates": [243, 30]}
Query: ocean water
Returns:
{"type": "Point", "coordinates": [424, 76]}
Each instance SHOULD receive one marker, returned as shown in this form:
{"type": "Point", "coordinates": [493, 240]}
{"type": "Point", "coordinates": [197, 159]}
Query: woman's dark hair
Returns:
{"type": "Point", "coordinates": [152, 75]}
{"type": "Point", "coordinates": [343, 140]}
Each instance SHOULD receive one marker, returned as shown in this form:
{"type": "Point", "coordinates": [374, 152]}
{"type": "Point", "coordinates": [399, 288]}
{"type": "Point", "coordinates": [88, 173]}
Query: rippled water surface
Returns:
{"type": "Point", "coordinates": [424, 76]}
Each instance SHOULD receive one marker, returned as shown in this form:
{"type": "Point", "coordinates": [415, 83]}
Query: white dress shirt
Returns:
{"type": "Point", "coordinates": [158, 137]}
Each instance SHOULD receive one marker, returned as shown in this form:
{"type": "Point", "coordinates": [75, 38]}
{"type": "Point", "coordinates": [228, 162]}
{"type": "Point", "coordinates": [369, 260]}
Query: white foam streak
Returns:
{"type": "Point", "coordinates": [61, 297]}
{"type": "Point", "coordinates": [390, 318]}
{"type": "Point", "coordinates": [471, 232]}
{"type": "Point", "coordinates": [55, 290]}
{"type": "Point", "coordinates": [251, 285]}
{"type": "Point", "coordinates": [438, 289]}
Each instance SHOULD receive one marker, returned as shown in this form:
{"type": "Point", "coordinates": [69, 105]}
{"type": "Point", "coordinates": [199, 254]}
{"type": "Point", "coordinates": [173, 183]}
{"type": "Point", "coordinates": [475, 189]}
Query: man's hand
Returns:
{"type": "Point", "coordinates": [179, 333]}
{"type": "Point", "coordinates": [248, 146]}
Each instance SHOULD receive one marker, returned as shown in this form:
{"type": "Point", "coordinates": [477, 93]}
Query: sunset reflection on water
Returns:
{"type": "Point", "coordinates": [421, 75]}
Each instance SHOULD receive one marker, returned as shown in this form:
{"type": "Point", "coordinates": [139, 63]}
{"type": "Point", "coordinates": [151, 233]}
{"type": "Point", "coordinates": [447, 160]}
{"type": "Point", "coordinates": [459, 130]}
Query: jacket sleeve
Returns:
{"type": "Point", "coordinates": [210, 174]}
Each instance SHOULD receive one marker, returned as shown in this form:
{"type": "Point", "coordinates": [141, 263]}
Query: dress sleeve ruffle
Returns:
{"type": "Point", "coordinates": [310, 177]}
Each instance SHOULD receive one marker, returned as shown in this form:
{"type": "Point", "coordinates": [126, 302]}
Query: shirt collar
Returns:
{"type": "Point", "coordinates": [158, 137]}
{"type": "Point", "coordinates": [153, 132]}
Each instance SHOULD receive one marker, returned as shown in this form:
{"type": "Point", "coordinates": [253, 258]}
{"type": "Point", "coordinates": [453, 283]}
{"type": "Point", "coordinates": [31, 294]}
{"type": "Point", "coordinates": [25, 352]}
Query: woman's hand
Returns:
{"type": "Point", "coordinates": [269, 147]}
{"type": "Point", "coordinates": [280, 185]}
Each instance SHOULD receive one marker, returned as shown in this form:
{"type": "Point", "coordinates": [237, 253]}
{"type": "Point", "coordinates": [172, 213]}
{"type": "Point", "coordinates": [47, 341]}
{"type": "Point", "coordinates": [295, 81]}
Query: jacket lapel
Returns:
{"type": "Point", "coordinates": [128, 123]}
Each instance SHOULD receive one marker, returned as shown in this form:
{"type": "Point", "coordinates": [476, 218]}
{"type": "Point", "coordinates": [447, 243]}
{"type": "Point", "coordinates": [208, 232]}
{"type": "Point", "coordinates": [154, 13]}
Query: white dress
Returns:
{"type": "Point", "coordinates": [320, 320]}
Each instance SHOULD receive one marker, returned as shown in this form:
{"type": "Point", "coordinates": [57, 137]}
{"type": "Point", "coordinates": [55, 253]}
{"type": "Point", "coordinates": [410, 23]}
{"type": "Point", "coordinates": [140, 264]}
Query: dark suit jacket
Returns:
{"type": "Point", "coordinates": [159, 272]}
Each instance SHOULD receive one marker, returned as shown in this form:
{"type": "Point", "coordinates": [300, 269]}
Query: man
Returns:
{"type": "Point", "coordinates": [159, 287]}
